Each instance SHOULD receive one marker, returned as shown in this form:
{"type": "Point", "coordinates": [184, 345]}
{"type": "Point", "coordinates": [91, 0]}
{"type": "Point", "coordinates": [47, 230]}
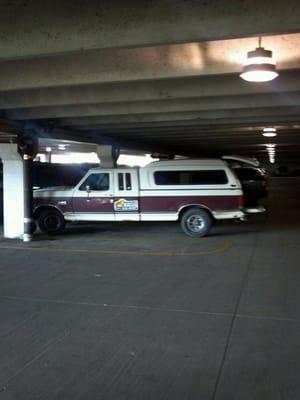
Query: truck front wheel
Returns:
{"type": "Point", "coordinates": [51, 222]}
{"type": "Point", "coordinates": [196, 222]}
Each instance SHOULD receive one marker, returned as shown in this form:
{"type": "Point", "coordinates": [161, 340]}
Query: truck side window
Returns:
{"type": "Point", "coordinates": [121, 181]}
{"type": "Point", "coordinates": [128, 181]}
{"type": "Point", "coordinates": [96, 182]}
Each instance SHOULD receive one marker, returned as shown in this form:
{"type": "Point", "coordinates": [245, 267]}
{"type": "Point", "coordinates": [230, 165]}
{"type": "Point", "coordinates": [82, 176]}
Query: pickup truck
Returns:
{"type": "Point", "coordinates": [194, 192]}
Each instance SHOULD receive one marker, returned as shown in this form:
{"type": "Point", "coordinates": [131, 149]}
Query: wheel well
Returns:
{"type": "Point", "coordinates": [186, 208]}
{"type": "Point", "coordinates": [40, 209]}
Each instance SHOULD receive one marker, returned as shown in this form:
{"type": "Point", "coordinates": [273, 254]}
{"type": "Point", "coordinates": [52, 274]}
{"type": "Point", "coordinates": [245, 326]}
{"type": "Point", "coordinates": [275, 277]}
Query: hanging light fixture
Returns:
{"type": "Point", "coordinates": [269, 132]}
{"type": "Point", "coordinates": [259, 66]}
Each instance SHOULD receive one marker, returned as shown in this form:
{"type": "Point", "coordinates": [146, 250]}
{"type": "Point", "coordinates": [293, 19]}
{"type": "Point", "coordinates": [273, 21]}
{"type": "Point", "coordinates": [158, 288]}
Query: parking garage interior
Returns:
{"type": "Point", "coordinates": [138, 310]}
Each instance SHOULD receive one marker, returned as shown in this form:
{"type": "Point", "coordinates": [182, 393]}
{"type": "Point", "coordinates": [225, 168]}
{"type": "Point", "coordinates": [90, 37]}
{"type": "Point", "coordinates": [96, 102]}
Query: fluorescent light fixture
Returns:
{"type": "Point", "coordinates": [269, 129]}
{"type": "Point", "coordinates": [75, 158]}
{"type": "Point", "coordinates": [135, 160]}
{"type": "Point", "coordinates": [62, 147]}
{"type": "Point", "coordinates": [48, 149]}
{"type": "Point", "coordinates": [259, 66]}
{"type": "Point", "coordinates": [269, 132]}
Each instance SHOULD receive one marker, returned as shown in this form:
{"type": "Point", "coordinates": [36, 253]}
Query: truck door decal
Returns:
{"type": "Point", "coordinates": [126, 205]}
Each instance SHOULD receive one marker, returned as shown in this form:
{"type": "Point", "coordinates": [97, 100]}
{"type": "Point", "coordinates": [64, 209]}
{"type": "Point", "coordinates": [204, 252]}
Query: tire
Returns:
{"type": "Point", "coordinates": [51, 222]}
{"type": "Point", "coordinates": [196, 222]}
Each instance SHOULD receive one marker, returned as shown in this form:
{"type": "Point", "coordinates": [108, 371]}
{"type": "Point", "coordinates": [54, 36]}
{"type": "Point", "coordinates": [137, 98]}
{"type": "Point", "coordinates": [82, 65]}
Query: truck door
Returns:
{"type": "Point", "coordinates": [126, 198]}
{"type": "Point", "coordinates": [93, 197]}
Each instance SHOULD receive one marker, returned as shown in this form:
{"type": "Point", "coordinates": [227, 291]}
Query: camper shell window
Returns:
{"type": "Point", "coordinates": [190, 177]}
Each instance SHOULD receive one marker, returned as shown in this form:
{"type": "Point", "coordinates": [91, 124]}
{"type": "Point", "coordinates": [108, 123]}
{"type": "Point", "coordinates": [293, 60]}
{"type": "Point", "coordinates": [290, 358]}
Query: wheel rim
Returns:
{"type": "Point", "coordinates": [52, 222]}
{"type": "Point", "coordinates": [195, 223]}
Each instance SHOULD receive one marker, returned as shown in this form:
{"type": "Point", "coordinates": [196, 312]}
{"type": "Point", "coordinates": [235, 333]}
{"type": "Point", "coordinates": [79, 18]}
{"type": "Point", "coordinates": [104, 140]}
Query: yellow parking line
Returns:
{"type": "Point", "coordinates": [124, 239]}
{"type": "Point", "coordinates": [220, 249]}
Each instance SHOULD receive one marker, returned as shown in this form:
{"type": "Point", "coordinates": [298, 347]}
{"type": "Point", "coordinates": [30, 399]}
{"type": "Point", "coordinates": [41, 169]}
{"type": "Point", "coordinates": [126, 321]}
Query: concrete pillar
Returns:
{"type": "Point", "coordinates": [48, 157]}
{"type": "Point", "coordinates": [29, 224]}
{"type": "Point", "coordinates": [108, 155]}
{"type": "Point", "coordinates": [13, 194]}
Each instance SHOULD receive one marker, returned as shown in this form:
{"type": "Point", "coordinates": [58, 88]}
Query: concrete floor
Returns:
{"type": "Point", "coordinates": [140, 311]}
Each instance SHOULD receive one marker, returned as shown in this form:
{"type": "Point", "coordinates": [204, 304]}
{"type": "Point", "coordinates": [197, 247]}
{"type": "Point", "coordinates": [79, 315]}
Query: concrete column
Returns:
{"type": "Point", "coordinates": [29, 224]}
{"type": "Point", "coordinates": [13, 195]}
{"type": "Point", "coordinates": [48, 157]}
{"type": "Point", "coordinates": [108, 155]}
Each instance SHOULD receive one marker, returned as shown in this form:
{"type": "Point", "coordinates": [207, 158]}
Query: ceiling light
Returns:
{"type": "Point", "coordinates": [48, 149]}
{"type": "Point", "coordinates": [269, 132]}
{"type": "Point", "coordinates": [259, 66]}
{"type": "Point", "coordinates": [62, 147]}
{"type": "Point", "coordinates": [269, 129]}
{"type": "Point", "coordinates": [270, 145]}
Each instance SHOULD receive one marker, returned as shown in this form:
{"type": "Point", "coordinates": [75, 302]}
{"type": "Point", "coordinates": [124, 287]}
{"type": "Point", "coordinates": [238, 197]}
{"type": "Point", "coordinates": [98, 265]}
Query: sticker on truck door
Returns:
{"type": "Point", "coordinates": [126, 205]}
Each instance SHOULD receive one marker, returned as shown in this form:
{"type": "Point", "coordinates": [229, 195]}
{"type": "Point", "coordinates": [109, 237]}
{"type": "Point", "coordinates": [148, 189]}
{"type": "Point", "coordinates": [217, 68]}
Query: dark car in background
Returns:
{"type": "Point", "coordinates": [50, 175]}
{"type": "Point", "coordinates": [254, 180]}
{"type": "Point", "coordinates": [254, 183]}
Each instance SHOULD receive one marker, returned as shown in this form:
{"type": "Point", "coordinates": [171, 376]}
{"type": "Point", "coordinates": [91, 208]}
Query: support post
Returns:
{"type": "Point", "coordinates": [28, 198]}
{"type": "Point", "coordinates": [17, 190]}
{"type": "Point", "coordinates": [13, 200]}
{"type": "Point", "coordinates": [108, 155]}
{"type": "Point", "coordinates": [48, 157]}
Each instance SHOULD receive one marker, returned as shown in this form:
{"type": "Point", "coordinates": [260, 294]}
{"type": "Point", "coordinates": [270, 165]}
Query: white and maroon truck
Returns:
{"type": "Point", "coordinates": [194, 192]}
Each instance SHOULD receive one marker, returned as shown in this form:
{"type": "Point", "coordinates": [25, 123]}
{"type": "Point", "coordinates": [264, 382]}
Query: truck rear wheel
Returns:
{"type": "Point", "coordinates": [51, 222]}
{"type": "Point", "coordinates": [196, 222]}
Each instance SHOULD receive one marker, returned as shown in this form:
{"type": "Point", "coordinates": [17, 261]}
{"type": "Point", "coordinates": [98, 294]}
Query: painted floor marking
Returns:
{"type": "Point", "coordinates": [225, 247]}
{"type": "Point", "coordinates": [146, 308]}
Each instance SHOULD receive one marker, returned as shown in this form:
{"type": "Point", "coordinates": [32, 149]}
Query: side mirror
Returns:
{"type": "Point", "coordinates": [87, 188]}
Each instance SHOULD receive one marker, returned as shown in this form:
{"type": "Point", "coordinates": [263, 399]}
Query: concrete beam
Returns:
{"type": "Point", "coordinates": [217, 123]}
{"type": "Point", "coordinates": [110, 66]}
{"type": "Point", "coordinates": [160, 89]}
{"type": "Point", "coordinates": [164, 62]}
{"type": "Point", "coordinates": [240, 136]}
{"type": "Point", "coordinates": [49, 27]}
{"type": "Point", "coordinates": [222, 130]}
{"type": "Point", "coordinates": [182, 116]}
{"type": "Point", "coordinates": [160, 106]}
{"type": "Point", "coordinates": [255, 141]}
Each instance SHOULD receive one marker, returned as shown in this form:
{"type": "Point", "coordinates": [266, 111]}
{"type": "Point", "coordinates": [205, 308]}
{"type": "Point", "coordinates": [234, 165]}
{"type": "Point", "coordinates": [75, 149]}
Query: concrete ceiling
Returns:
{"type": "Point", "coordinates": [158, 76]}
